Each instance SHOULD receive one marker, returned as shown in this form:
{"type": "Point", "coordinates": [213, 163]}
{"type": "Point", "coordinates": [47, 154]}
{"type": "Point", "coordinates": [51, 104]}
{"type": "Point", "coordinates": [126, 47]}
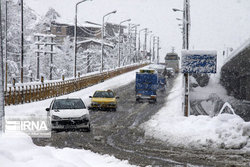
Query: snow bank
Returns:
{"type": "Point", "coordinates": [170, 126]}
{"type": "Point", "coordinates": [213, 87]}
{"type": "Point", "coordinates": [20, 151]}
{"type": "Point", "coordinates": [223, 131]}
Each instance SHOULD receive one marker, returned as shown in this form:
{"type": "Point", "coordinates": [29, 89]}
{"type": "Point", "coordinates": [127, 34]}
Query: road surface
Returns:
{"type": "Point", "coordinates": [118, 133]}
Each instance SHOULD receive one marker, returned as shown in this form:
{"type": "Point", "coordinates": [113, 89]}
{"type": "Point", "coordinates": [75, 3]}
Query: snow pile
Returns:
{"type": "Point", "coordinates": [223, 131]}
{"type": "Point", "coordinates": [20, 151]}
{"type": "Point", "coordinates": [170, 126]}
{"type": "Point", "coordinates": [213, 87]}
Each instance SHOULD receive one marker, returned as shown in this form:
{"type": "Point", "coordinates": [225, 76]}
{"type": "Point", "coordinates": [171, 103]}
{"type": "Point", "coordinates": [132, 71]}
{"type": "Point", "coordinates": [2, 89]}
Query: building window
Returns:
{"type": "Point", "coordinates": [58, 29]}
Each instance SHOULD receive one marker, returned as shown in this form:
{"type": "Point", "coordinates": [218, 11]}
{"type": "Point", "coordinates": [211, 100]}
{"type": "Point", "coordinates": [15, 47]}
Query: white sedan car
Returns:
{"type": "Point", "coordinates": [68, 113]}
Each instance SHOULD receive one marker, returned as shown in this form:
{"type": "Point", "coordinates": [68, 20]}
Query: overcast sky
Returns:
{"type": "Point", "coordinates": [215, 24]}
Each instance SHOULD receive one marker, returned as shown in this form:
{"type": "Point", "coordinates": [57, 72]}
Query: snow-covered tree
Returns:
{"type": "Point", "coordinates": [14, 36]}
{"type": "Point", "coordinates": [64, 59]}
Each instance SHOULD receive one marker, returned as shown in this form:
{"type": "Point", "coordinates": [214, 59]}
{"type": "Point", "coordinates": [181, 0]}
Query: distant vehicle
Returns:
{"type": "Point", "coordinates": [172, 61]}
{"type": "Point", "coordinates": [161, 74]}
{"type": "Point", "coordinates": [69, 113]}
{"type": "Point", "coordinates": [103, 99]}
{"type": "Point", "coordinates": [170, 72]}
{"type": "Point", "coordinates": [146, 85]}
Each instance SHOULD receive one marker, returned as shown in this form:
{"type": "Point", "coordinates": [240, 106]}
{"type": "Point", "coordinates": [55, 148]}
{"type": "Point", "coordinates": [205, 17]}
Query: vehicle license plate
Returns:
{"type": "Point", "coordinates": [69, 126]}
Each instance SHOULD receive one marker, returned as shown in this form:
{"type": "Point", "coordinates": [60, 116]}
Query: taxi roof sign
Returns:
{"type": "Point", "coordinates": [147, 71]}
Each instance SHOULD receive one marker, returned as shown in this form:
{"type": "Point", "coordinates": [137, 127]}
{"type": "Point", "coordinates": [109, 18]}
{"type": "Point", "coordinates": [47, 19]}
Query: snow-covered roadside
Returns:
{"type": "Point", "coordinates": [170, 126]}
{"type": "Point", "coordinates": [20, 151]}
{"type": "Point", "coordinates": [213, 87]}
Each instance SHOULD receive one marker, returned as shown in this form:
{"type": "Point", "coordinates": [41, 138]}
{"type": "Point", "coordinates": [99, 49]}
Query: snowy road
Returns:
{"type": "Point", "coordinates": [118, 133]}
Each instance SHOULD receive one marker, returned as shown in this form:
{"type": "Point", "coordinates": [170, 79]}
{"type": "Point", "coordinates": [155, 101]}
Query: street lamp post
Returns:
{"type": "Point", "coordinates": [102, 46]}
{"type": "Point", "coordinates": [131, 26]}
{"type": "Point", "coordinates": [155, 41]}
{"type": "Point", "coordinates": [177, 10]}
{"type": "Point", "coordinates": [1, 74]}
{"type": "Point", "coordinates": [145, 42]}
{"type": "Point", "coordinates": [150, 41]}
{"type": "Point", "coordinates": [158, 49]}
{"type": "Point", "coordinates": [75, 36]}
{"type": "Point", "coordinates": [154, 48]}
{"type": "Point", "coordinates": [6, 34]}
{"type": "Point", "coordinates": [135, 26]}
{"type": "Point", "coordinates": [139, 41]}
{"type": "Point", "coordinates": [21, 60]}
{"type": "Point", "coordinates": [186, 29]}
{"type": "Point", "coordinates": [119, 38]}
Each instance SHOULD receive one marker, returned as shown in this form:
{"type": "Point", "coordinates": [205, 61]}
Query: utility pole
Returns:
{"type": "Point", "coordinates": [1, 74]}
{"type": "Point", "coordinates": [135, 42]}
{"type": "Point", "coordinates": [51, 59]}
{"type": "Point", "coordinates": [158, 49]}
{"type": "Point", "coordinates": [150, 46]}
{"type": "Point", "coordinates": [6, 35]}
{"type": "Point", "coordinates": [133, 27]}
{"type": "Point", "coordinates": [102, 44]}
{"type": "Point", "coordinates": [153, 55]}
{"type": "Point", "coordinates": [186, 25]}
{"type": "Point", "coordinates": [155, 40]}
{"type": "Point", "coordinates": [119, 45]}
{"type": "Point", "coordinates": [21, 60]}
{"type": "Point", "coordinates": [75, 37]}
{"type": "Point", "coordinates": [38, 57]}
{"type": "Point", "coordinates": [119, 40]}
{"type": "Point", "coordinates": [129, 40]}
{"type": "Point", "coordinates": [145, 43]}
{"type": "Point", "coordinates": [139, 41]}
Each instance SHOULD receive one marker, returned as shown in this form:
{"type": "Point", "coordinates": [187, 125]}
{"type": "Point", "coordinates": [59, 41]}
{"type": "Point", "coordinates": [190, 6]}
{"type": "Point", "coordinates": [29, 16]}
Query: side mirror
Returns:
{"type": "Point", "coordinates": [117, 97]}
{"type": "Point", "coordinates": [90, 96]}
{"type": "Point", "coordinates": [47, 109]}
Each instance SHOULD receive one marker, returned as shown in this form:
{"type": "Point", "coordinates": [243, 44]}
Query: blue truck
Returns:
{"type": "Point", "coordinates": [146, 85]}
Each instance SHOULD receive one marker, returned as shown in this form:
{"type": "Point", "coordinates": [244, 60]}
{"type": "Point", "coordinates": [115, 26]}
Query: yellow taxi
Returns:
{"type": "Point", "coordinates": [103, 99]}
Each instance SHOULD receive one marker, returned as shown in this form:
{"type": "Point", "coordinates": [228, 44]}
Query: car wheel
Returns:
{"type": "Point", "coordinates": [152, 101]}
{"type": "Point", "coordinates": [138, 100]}
{"type": "Point", "coordinates": [88, 129]}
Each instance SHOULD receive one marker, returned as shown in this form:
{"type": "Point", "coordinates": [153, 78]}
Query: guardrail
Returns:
{"type": "Point", "coordinates": [32, 93]}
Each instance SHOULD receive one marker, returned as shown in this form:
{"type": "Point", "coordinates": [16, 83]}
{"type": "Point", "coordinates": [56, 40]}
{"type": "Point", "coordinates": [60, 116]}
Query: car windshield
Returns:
{"type": "Point", "coordinates": [68, 104]}
{"type": "Point", "coordinates": [104, 94]}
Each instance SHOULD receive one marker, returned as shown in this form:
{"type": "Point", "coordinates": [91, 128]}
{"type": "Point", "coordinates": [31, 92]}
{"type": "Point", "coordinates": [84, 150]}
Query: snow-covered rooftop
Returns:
{"type": "Point", "coordinates": [96, 41]}
{"type": "Point", "coordinates": [72, 23]}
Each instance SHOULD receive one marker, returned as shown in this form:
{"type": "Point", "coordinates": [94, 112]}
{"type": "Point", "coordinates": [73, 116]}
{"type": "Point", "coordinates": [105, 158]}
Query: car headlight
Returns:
{"type": "Point", "coordinates": [55, 117]}
{"type": "Point", "coordinates": [84, 117]}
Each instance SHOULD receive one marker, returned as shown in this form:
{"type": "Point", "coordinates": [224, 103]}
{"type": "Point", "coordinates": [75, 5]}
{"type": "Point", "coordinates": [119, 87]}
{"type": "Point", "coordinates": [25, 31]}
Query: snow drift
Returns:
{"type": "Point", "coordinates": [222, 131]}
